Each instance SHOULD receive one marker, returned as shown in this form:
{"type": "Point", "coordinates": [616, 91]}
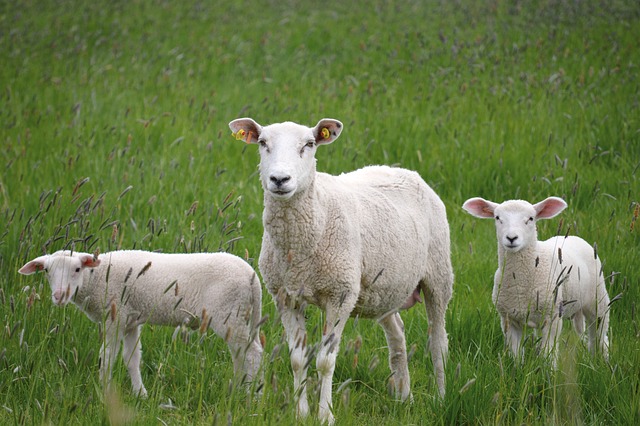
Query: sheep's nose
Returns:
{"type": "Point", "coordinates": [279, 180]}
{"type": "Point", "coordinates": [512, 239]}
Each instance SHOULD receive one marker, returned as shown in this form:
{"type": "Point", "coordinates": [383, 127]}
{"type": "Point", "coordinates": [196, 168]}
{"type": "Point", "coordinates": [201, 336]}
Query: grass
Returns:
{"type": "Point", "coordinates": [113, 121]}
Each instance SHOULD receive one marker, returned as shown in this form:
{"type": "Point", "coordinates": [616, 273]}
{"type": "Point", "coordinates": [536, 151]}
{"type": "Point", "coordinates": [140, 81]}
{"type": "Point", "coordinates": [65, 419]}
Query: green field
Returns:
{"type": "Point", "coordinates": [113, 130]}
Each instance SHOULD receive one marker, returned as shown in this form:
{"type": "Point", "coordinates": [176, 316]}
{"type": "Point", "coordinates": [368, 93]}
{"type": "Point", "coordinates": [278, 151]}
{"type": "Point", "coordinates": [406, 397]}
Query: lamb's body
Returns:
{"type": "Point", "coordinates": [127, 289]}
{"type": "Point", "coordinates": [538, 283]}
{"type": "Point", "coordinates": [363, 243]}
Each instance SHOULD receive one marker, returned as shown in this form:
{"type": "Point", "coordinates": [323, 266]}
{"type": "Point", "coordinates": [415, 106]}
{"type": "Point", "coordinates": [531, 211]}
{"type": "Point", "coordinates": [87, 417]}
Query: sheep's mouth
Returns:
{"type": "Point", "coordinates": [281, 194]}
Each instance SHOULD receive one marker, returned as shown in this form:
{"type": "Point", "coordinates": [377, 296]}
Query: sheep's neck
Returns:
{"type": "Point", "coordinates": [522, 264]}
{"type": "Point", "coordinates": [297, 224]}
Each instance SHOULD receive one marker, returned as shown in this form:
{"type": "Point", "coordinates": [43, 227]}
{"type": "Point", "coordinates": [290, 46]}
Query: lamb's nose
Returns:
{"type": "Point", "coordinates": [279, 180]}
{"type": "Point", "coordinates": [512, 239]}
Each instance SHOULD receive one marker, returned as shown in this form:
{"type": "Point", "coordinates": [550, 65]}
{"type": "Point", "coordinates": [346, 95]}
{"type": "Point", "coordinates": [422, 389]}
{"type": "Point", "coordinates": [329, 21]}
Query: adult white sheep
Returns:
{"type": "Point", "coordinates": [363, 243]}
{"type": "Point", "coordinates": [127, 289]}
{"type": "Point", "coordinates": [539, 282]}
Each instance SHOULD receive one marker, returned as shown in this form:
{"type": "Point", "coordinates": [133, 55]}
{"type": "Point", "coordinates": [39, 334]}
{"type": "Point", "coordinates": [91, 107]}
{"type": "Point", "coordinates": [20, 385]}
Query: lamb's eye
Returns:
{"type": "Point", "coordinates": [497, 217]}
{"type": "Point", "coordinates": [46, 270]}
{"type": "Point", "coordinates": [310, 144]}
{"type": "Point", "coordinates": [262, 143]}
{"type": "Point", "coordinates": [529, 220]}
{"type": "Point", "coordinates": [77, 269]}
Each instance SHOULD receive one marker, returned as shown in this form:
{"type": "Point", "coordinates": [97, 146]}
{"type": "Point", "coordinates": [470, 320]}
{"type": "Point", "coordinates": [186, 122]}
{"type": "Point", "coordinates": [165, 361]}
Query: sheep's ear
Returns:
{"type": "Point", "coordinates": [35, 265]}
{"type": "Point", "coordinates": [327, 130]}
{"type": "Point", "coordinates": [549, 208]}
{"type": "Point", "coordinates": [88, 261]}
{"type": "Point", "coordinates": [479, 207]}
{"type": "Point", "coordinates": [245, 129]}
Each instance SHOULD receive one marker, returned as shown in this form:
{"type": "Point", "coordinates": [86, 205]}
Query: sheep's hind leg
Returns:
{"type": "Point", "coordinates": [435, 302]}
{"type": "Point", "coordinates": [394, 331]}
{"type": "Point", "coordinates": [132, 355]}
{"type": "Point", "coordinates": [337, 314]}
{"type": "Point", "coordinates": [293, 322]}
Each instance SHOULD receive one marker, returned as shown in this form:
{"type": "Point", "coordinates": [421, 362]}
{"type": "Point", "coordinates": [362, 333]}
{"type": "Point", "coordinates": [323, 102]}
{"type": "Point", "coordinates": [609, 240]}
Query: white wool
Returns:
{"type": "Point", "coordinates": [537, 283]}
{"type": "Point", "coordinates": [363, 243]}
{"type": "Point", "coordinates": [127, 289]}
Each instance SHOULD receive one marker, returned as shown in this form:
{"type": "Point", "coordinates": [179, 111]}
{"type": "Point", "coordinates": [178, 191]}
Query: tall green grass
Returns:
{"type": "Point", "coordinates": [113, 122]}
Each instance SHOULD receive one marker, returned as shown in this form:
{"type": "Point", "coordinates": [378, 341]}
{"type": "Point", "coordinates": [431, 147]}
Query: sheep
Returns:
{"type": "Point", "coordinates": [537, 283]}
{"type": "Point", "coordinates": [363, 243]}
{"type": "Point", "coordinates": [129, 288]}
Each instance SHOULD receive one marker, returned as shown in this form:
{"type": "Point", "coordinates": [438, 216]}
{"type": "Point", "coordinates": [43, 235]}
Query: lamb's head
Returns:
{"type": "Point", "coordinates": [64, 272]}
{"type": "Point", "coordinates": [287, 152]}
{"type": "Point", "coordinates": [515, 219]}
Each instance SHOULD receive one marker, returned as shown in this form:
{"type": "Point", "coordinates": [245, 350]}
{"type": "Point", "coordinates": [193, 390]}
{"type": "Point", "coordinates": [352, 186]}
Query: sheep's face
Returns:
{"type": "Point", "coordinates": [515, 225]}
{"type": "Point", "coordinates": [287, 152]}
{"type": "Point", "coordinates": [64, 273]}
{"type": "Point", "coordinates": [515, 219]}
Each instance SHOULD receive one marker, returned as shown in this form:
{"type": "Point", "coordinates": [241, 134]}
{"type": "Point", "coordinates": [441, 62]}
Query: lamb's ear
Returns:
{"type": "Point", "coordinates": [245, 129]}
{"type": "Point", "coordinates": [35, 265]}
{"type": "Point", "coordinates": [327, 130]}
{"type": "Point", "coordinates": [549, 208]}
{"type": "Point", "coordinates": [88, 261]}
{"type": "Point", "coordinates": [479, 207]}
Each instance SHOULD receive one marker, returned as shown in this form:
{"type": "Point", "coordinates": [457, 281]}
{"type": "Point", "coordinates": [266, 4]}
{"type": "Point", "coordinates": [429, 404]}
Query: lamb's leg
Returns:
{"type": "Point", "coordinates": [435, 302]}
{"type": "Point", "coordinates": [337, 314]}
{"type": "Point", "coordinates": [598, 327]}
{"type": "Point", "coordinates": [394, 331]}
{"type": "Point", "coordinates": [132, 355]}
{"type": "Point", "coordinates": [550, 333]}
{"type": "Point", "coordinates": [109, 351]}
{"type": "Point", "coordinates": [512, 337]}
{"type": "Point", "coordinates": [293, 321]}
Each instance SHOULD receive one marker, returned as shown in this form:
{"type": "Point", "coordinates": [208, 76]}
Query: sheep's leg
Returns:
{"type": "Point", "coordinates": [550, 332]}
{"type": "Point", "coordinates": [293, 321]}
{"type": "Point", "coordinates": [109, 351]}
{"type": "Point", "coordinates": [598, 327]}
{"type": "Point", "coordinates": [394, 331]}
{"type": "Point", "coordinates": [435, 302]}
{"type": "Point", "coordinates": [512, 337]}
{"type": "Point", "coordinates": [132, 355]}
{"type": "Point", "coordinates": [337, 314]}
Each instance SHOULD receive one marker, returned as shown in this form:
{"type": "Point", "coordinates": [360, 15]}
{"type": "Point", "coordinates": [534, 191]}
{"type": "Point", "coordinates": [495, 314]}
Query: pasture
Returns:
{"type": "Point", "coordinates": [113, 130]}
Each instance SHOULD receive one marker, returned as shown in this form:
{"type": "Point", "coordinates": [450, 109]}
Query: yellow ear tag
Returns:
{"type": "Point", "coordinates": [239, 135]}
{"type": "Point", "coordinates": [325, 133]}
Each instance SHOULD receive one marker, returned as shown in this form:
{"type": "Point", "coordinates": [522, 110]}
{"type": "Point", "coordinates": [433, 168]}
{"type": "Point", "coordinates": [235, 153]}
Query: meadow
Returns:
{"type": "Point", "coordinates": [113, 130]}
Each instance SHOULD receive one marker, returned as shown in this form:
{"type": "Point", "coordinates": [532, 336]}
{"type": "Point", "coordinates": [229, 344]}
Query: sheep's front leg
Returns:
{"type": "Point", "coordinates": [109, 351]}
{"type": "Point", "coordinates": [293, 321]}
{"type": "Point", "coordinates": [394, 331]}
{"type": "Point", "coordinates": [512, 337]}
{"type": "Point", "coordinates": [337, 314]}
{"type": "Point", "coordinates": [550, 332]}
{"type": "Point", "coordinates": [132, 354]}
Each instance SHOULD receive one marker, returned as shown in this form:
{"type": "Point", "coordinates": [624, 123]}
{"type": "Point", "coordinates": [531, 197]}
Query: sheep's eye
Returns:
{"type": "Point", "coordinates": [529, 220]}
{"type": "Point", "coordinates": [497, 217]}
{"type": "Point", "coordinates": [262, 143]}
{"type": "Point", "coordinates": [310, 144]}
{"type": "Point", "coordinates": [46, 270]}
{"type": "Point", "coordinates": [77, 269]}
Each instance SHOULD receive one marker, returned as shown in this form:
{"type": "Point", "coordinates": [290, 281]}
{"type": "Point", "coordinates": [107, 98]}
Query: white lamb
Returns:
{"type": "Point", "coordinates": [127, 289]}
{"type": "Point", "coordinates": [539, 282]}
{"type": "Point", "coordinates": [363, 243]}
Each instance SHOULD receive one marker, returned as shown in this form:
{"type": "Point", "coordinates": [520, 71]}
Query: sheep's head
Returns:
{"type": "Point", "coordinates": [287, 152]}
{"type": "Point", "coordinates": [515, 219]}
{"type": "Point", "coordinates": [64, 272]}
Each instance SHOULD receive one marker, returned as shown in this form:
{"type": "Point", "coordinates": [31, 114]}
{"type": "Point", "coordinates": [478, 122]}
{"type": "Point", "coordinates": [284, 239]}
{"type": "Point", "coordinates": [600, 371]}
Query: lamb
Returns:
{"type": "Point", "coordinates": [537, 283]}
{"type": "Point", "coordinates": [127, 289]}
{"type": "Point", "coordinates": [362, 244]}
